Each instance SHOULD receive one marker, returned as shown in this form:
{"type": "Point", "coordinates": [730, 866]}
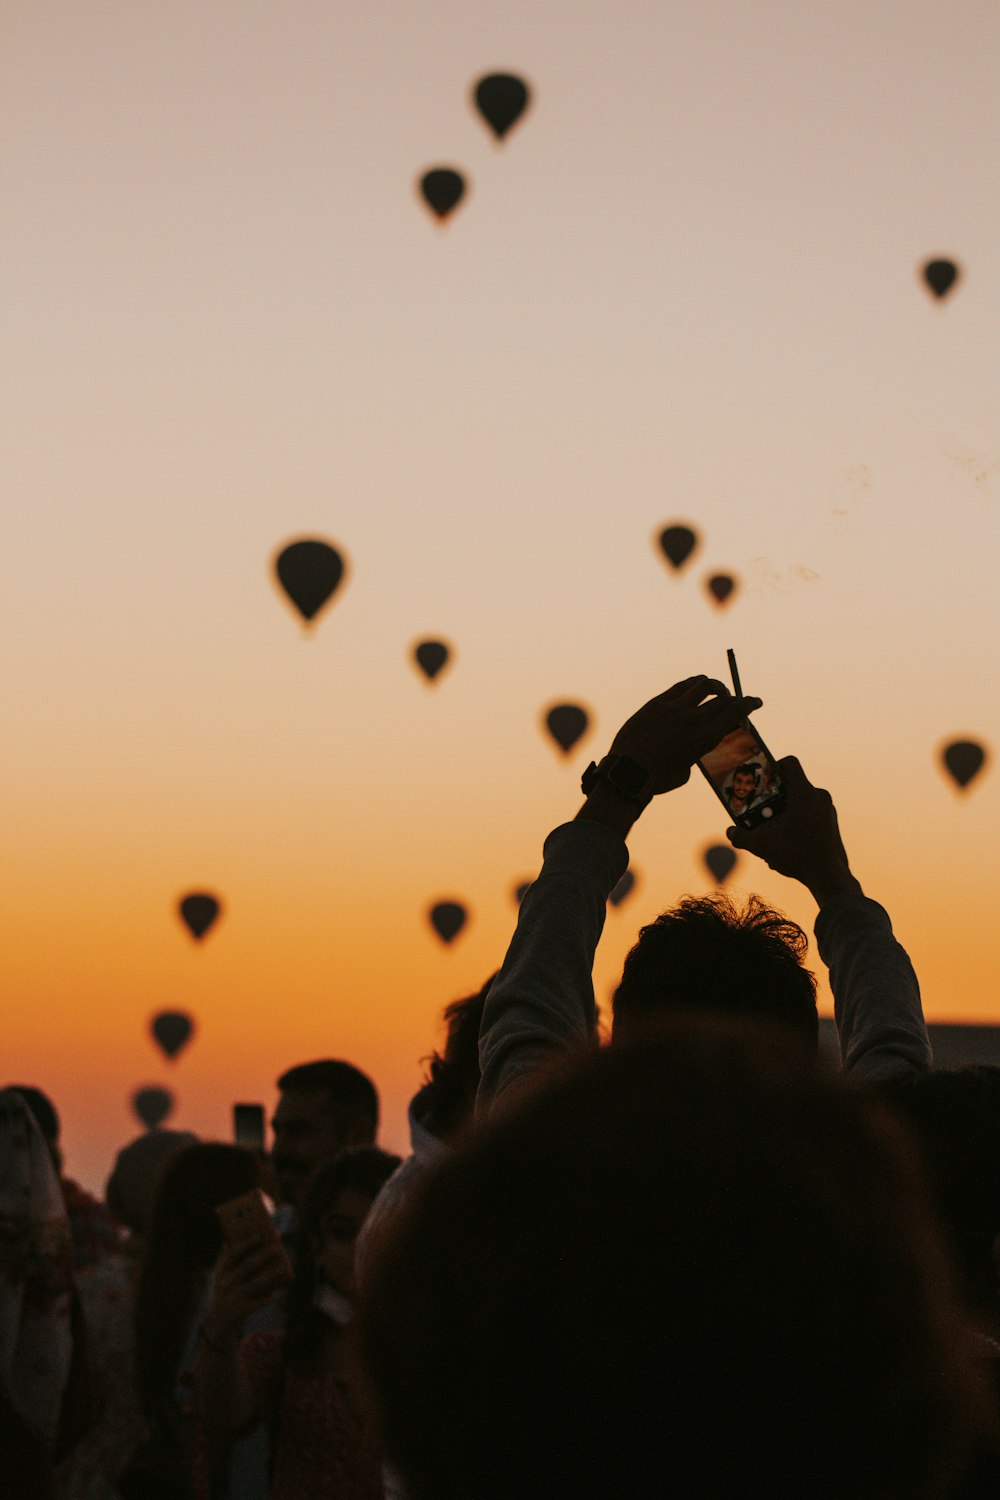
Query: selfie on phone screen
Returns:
{"type": "Point", "coordinates": [742, 772]}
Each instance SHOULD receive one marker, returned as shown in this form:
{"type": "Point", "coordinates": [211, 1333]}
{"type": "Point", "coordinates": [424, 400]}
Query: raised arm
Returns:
{"type": "Point", "coordinates": [879, 1016]}
{"type": "Point", "coordinates": [246, 1279]}
{"type": "Point", "coordinates": [542, 1001]}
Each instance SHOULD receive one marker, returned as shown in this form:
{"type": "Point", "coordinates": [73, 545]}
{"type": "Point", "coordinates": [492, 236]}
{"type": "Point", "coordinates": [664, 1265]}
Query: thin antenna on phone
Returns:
{"type": "Point", "coordinates": [735, 672]}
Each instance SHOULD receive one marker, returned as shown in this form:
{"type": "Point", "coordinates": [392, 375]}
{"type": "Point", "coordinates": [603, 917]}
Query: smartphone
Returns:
{"type": "Point", "coordinates": [248, 1126]}
{"type": "Point", "coordinates": [743, 773]}
{"type": "Point", "coordinates": [245, 1220]}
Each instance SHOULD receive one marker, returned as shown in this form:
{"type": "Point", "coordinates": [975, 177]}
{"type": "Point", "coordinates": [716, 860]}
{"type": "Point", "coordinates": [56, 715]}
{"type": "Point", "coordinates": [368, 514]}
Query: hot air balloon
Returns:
{"type": "Point", "coordinates": [964, 759]}
{"type": "Point", "coordinates": [172, 1030]}
{"type": "Point", "coordinates": [310, 572]}
{"type": "Point", "coordinates": [152, 1105]}
{"type": "Point", "coordinates": [431, 657]}
{"type": "Point", "coordinates": [443, 189]}
{"type": "Point", "coordinates": [623, 889]}
{"type": "Point", "coordinates": [501, 99]}
{"type": "Point", "coordinates": [940, 276]}
{"type": "Point", "coordinates": [677, 543]}
{"type": "Point", "coordinates": [520, 891]}
{"type": "Point", "coordinates": [721, 861]}
{"type": "Point", "coordinates": [566, 722]}
{"type": "Point", "coordinates": [198, 912]}
{"type": "Point", "coordinates": [448, 918]}
{"type": "Point", "coordinates": [721, 586]}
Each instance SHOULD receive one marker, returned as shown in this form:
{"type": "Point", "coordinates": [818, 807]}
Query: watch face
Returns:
{"type": "Point", "coordinates": [629, 776]}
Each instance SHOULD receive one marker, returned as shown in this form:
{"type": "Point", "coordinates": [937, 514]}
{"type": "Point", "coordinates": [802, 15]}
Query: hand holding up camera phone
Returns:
{"type": "Point", "coordinates": [743, 773]}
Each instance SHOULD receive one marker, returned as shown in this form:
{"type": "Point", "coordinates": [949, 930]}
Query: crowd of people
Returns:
{"type": "Point", "coordinates": [692, 1262]}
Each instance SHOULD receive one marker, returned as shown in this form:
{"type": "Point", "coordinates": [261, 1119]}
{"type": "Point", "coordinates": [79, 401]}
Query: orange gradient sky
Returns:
{"type": "Point", "coordinates": [685, 288]}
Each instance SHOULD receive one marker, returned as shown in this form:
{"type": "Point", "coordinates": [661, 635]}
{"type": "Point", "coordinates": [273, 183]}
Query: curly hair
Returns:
{"type": "Point", "coordinates": [705, 954]}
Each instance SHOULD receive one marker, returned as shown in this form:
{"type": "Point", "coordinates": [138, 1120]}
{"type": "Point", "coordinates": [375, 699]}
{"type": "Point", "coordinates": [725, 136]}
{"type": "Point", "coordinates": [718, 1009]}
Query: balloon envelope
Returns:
{"type": "Point", "coordinates": [443, 190]}
{"type": "Point", "coordinates": [431, 657]}
{"type": "Point", "coordinates": [448, 919]}
{"type": "Point", "coordinates": [623, 889]}
{"type": "Point", "coordinates": [520, 891]}
{"type": "Point", "coordinates": [172, 1030]}
{"type": "Point", "coordinates": [152, 1106]}
{"type": "Point", "coordinates": [198, 912]}
{"type": "Point", "coordinates": [940, 276]}
{"type": "Point", "coordinates": [677, 543]}
{"type": "Point", "coordinates": [501, 99]}
{"type": "Point", "coordinates": [310, 572]}
{"type": "Point", "coordinates": [964, 759]}
{"type": "Point", "coordinates": [721, 862]}
{"type": "Point", "coordinates": [566, 722]}
{"type": "Point", "coordinates": [721, 586]}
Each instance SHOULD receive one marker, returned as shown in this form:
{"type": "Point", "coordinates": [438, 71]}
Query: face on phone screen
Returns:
{"type": "Point", "coordinates": [743, 775]}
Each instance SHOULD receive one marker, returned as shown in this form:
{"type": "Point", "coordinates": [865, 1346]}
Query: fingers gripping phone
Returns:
{"type": "Point", "coordinates": [743, 773]}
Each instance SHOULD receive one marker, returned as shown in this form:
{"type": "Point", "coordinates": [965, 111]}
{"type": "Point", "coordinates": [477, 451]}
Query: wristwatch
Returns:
{"type": "Point", "coordinates": [624, 774]}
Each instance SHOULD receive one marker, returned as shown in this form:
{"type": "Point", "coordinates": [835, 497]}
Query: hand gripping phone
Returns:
{"type": "Point", "coordinates": [743, 773]}
{"type": "Point", "coordinates": [246, 1221]}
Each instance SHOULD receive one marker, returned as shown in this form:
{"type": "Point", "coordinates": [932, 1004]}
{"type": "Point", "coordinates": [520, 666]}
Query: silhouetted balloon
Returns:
{"type": "Point", "coordinates": [172, 1030]}
{"type": "Point", "coordinates": [430, 657]}
{"type": "Point", "coordinates": [721, 586]}
{"type": "Point", "coordinates": [198, 912]}
{"type": "Point", "coordinates": [520, 891]}
{"type": "Point", "coordinates": [721, 861]}
{"type": "Point", "coordinates": [940, 276]}
{"type": "Point", "coordinates": [964, 760]}
{"type": "Point", "coordinates": [443, 189]}
{"type": "Point", "coordinates": [566, 722]}
{"type": "Point", "coordinates": [623, 889]}
{"type": "Point", "coordinates": [677, 543]}
{"type": "Point", "coordinates": [152, 1106]}
{"type": "Point", "coordinates": [309, 571]}
{"type": "Point", "coordinates": [448, 919]}
{"type": "Point", "coordinates": [501, 99]}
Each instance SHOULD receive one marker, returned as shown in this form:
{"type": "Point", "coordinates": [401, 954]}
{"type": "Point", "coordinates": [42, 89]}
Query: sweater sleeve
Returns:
{"type": "Point", "coordinates": [880, 1020]}
{"type": "Point", "coordinates": [542, 1001]}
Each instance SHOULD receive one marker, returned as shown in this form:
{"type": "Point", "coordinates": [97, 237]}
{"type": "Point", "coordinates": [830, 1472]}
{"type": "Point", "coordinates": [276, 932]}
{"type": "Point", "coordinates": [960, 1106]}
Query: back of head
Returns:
{"type": "Point", "coordinates": [132, 1185]}
{"type": "Point", "coordinates": [685, 1262]}
{"type": "Point", "coordinates": [353, 1097]}
{"type": "Point", "coordinates": [42, 1108]}
{"type": "Point", "coordinates": [453, 1075]}
{"type": "Point", "coordinates": [705, 955]}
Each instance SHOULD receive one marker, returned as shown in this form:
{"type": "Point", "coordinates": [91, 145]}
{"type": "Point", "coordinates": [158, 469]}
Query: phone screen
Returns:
{"type": "Point", "coordinates": [248, 1126]}
{"type": "Point", "coordinates": [744, 776]}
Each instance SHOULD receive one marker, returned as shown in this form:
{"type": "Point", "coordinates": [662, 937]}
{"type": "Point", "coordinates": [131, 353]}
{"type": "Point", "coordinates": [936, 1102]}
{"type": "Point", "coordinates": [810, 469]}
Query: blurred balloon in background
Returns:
{"type": "Point", "coordinates": [198, 912]}
{"type": "Point", "coordinates": [431, 657]}
{"type": "Point", "coordinates": [501, 99]}
{"type": "Point", "coordinates": [172, 1030]}
{"type": "Point", "coordinates": [442, 189]}
{"type": "Point", "coordinates": [721, 587]}
{"type": "Point", "coordinates": [310, 572]}
{"type": "Point", "coordinates": [940, 276]}
{"type": "Point", "coordinates": [677, 543]}
{"type": "Point", "coordinates": [153, 1106]}
{"type": "Point", "coordinates": [623, 889]}
{"type": "Point", "coordinates": [520, 891]}
{"type": "Point", "coordinates": [963, 759]}
{"type": "Point", "coordinates": [720, 860]}
{"type": "Point", "coordinates": [448, 918]}
{"type": "Point", "coordinates": [566, 723]}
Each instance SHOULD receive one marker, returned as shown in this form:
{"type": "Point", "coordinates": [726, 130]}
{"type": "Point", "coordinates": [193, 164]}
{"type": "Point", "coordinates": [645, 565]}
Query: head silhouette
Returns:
{"type": "Point", "coordinates": [324, 1108]}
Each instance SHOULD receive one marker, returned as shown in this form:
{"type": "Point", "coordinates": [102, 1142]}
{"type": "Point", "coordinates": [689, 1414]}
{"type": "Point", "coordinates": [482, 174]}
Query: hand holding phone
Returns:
{"type": "Point", "coordinates": [806, 843]}
{"type": "Point", "coordinates": [743, 773]}
{"type": "Point", "coordinates": [246, 1222]}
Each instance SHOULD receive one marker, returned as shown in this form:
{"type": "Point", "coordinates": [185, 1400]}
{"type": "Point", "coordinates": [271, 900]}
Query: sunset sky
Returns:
{"type": "Point", "coordinates": [686, 288]}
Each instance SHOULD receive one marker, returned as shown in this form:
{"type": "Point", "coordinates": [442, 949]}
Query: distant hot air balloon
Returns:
{"type": "Point", "coordinates": [431, 657]}
{"type": "Point", "coordinates": [520, 891]}
{"type": "Point", "coordinates": [623, 889]}
{"type": "Point", "coordinates": [172, 1030]}
{"type": "Point", "coordinates": [198, 912]}
{"type": "Point", "coordinates": [152, 1105]}
{"type": "Point", "coordinates": [964, 759]}
{"type": "Point", "coordinates": [443, 189]}
{"type": "Point", "coordinates": [448, 918]}
{"type": "Point", "coordinates": [310, 572]}
{"type": "Point", "coordinates": [501, 99]}
{"type": "Point", "coordinates": [721, 586]}
{"type": "Point", "coordinates": [677, 543]}
{"type": "Point", "coordinates": [940, 276]}
{"type": "Point", "coordinates": [566, 722]}
{"type": "Point", "coordinates": [721, 861]}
